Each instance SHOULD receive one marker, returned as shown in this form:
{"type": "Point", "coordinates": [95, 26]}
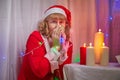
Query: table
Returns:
{"type": "Point", "coordinates": [76, 71]}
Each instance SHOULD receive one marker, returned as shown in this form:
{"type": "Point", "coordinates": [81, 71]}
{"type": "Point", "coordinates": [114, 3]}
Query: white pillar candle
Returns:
{"type": "Point", "coordinates": [90, 58]}
{"type": "Point", "coordinates": [104, 55]}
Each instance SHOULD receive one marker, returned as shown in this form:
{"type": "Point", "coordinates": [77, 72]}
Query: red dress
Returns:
{"type": "Point", "coordinates": [35, 66]}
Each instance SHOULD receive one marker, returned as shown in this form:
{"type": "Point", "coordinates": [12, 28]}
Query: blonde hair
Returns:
{"type": "Point", "coordinates": [44, 29]}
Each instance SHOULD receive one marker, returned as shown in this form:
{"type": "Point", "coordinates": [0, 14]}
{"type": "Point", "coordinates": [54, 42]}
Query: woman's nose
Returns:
{"type": "Point", "coordinates": [58, 23]}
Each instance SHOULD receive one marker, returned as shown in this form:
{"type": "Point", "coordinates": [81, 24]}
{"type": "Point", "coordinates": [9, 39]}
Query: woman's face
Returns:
{"type": "Point", "coordinates": [56, 23]}
{"type": "Point", "coordinates": [57, 29]}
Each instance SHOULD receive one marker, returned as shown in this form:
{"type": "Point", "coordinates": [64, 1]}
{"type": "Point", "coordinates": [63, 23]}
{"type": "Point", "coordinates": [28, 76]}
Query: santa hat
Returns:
{"type": "Point", "coordinates": [58, 9]}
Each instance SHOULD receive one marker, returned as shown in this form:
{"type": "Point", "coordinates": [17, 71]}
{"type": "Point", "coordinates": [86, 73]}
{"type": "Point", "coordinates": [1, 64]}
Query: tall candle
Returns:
{"type": "Point", "coordinates": [104, 55]}
{"type": "Point", "coordinates": [90, 58]}
{"type": "Point", "coordinates": [98, 41]}
{"type": "Point", "coordinates": [83, 54]}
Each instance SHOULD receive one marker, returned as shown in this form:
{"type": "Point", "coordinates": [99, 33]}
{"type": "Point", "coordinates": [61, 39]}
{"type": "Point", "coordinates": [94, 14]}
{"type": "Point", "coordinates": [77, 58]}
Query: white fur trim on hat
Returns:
{"type": "Point", "coordinates": [54, 10]}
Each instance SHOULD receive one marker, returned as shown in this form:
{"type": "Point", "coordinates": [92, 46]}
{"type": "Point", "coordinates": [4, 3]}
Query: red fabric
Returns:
{"type": "Point", "coordinates": [35, 66]}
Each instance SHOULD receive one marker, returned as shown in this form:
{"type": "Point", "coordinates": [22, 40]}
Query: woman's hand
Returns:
{"type": "Point", "coordinates": [57, 32]}
{"type": "Point", "coordinates": [56, 35]}
{"type": "Point", "coordinates": [64, 48]}
{"type": "Point", "coordinates": [63, 52]}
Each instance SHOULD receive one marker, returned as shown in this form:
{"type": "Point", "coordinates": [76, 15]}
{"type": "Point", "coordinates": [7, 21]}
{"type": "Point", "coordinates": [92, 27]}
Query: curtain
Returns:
{"type": "Point", "coordinates": [83, 24]}
{"type": "Point", "coordinates": [18, 18]}
{"type": "Point", "coordinates": [114, 41]}
{"type": "Point", "coordinates": [108, 19]}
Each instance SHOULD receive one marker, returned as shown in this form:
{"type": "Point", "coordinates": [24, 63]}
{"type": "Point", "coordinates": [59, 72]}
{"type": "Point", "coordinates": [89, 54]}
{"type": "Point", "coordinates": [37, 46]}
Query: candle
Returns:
{"type": "Point", "coordinates": [83, 54]}
{"type": "Point", "coordinates": [98, 41]}
{"type": "Point", "coordinates": [118, 58]}
{"type": "Point", "coordinates": [90, 58]}
{"type": "Point", "coordinates": [104, 55]}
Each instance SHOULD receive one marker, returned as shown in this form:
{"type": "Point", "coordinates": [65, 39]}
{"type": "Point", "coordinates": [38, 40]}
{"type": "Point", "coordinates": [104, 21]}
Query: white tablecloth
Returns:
{"type": "Point", "coordinates": [81, 72]}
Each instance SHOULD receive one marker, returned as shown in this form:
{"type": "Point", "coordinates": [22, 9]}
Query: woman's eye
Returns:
{"type": "Point", "coordinates": [61, 22]}
{"type": "Point", "coordinates": [53, 22]}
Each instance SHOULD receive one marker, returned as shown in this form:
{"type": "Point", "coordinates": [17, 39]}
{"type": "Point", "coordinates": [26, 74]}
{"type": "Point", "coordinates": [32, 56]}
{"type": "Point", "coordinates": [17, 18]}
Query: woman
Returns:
{"type": "Point", "coordinates": [48, 48]}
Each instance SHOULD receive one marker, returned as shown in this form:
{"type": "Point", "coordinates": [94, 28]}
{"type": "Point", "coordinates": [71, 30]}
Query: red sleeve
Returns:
{"type": "Point", "coordinates": [39, 65]}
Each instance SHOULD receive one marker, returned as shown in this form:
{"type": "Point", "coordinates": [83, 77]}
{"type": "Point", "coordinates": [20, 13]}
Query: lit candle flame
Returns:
{"type": "Point", "coordinates": [84, 44]}
{"type": "Point", "coordinates": [99, 30]}
{"type": "Point", "coordinates": [90, 44]}
{"type": "Point", "coordinates": [103, 44]}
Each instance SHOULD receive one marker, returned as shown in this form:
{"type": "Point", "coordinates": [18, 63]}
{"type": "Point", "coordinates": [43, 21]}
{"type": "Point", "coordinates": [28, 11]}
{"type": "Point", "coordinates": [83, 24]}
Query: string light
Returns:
{"type": "Point", "coordinates": [22, 53]}
{"type": "Point", "coordinates": [106, 35]}
{"type": "Point", "coordinates": [3, 58]}
{"type": "Point", "coordinates": [110, 18]}
{"type": "Point", "coordinates": [61, 39]}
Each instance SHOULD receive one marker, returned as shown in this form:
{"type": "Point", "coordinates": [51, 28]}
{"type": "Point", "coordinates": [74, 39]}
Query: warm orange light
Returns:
{"type": "Point", "coordinates": [98, 43]}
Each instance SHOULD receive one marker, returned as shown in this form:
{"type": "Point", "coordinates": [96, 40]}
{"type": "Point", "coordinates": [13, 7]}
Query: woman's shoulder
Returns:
{"type": "Point", "coordinates": [36, 34]}
{"type": "Point", "coordinates": [70, 43]}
